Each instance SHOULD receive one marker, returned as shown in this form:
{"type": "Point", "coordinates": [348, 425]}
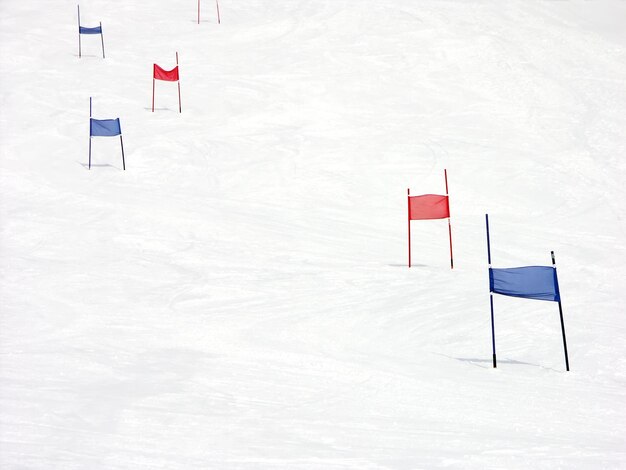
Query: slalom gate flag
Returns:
{"type": "Point", "coordinates": [85, 30]}
{"type": "Point", "coordinates": [428, 206]}
{"type": "Point", "coordinates": [104, 127]}
{"type": "Point", "coordinates": [528, 282]}
{"type": "Point", "coordinates": [167, 75]}
{"type": "Point", "coordinates": [159, 73]}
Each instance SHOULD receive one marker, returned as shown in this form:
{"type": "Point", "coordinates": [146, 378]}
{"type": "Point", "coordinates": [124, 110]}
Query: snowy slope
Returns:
{"type": "Point", "coordinates": [239, 297]}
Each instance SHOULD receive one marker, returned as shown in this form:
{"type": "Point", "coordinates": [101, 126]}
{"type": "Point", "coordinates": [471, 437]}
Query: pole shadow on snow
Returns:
{"type": "Point", "coordinates": [99, 165]}
{"type": "Point", "coordinates": [396, 265]}
{"type": "Point", "coordinates": [477, 362]}
{"type": "Point", "coordinates": [159, 109]}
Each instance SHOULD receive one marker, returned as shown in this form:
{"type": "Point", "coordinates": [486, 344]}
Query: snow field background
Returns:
{"type": "Point", "coordinates": [238, 298]}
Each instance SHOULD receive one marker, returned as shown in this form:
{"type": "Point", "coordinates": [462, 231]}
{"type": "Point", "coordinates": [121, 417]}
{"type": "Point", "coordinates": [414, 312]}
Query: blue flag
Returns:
{"type": "Point", "coordinates": [528, 282]}
{"type": "Point", "coordinates": [85, 30]}
{"type": "Point", "coordinates": [104, 127]}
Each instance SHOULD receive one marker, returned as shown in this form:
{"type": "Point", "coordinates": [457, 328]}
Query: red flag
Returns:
{"type": "Point", "coordinates": [428, 206]}
{"type": "Point", "coordinates": [167, 75]}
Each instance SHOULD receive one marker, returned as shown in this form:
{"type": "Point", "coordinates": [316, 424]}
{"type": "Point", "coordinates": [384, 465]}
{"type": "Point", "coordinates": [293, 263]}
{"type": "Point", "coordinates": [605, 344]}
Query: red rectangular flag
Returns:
{"type": "Point", "coordinates": [428, 206]}
{"type": "Point", "coordinates": [167, 75]}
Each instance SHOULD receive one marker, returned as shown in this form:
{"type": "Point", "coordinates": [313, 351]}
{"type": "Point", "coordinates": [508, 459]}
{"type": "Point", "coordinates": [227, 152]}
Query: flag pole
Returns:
{"type": "Point", "coordinates": [219, 21]}
{"type": "Point", "coordinates": [198, 11]}
{"type": "Point", "coordinates": [153, 85]}
{"type": "Point", "coordinates": [90, 132]}
{"type": "Point", "coordinates": [560, 314]}
{"type": "Point", "coordinates": [102, 39]}
{"type": "Point", "coordinates": [493, 331]}
{"type": "Point", "coordinates": [445, 174]}
{"type": "Point", "coordinates": [180, 109]}
{"type": "Point", "coordinates": [79, 46]}
{"type": "Point", "coordinates": [408, 199]}
{"type": "Point", "coordinates": [122, 144]}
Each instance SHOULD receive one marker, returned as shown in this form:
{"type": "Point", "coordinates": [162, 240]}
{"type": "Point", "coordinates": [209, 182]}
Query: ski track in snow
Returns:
{"type": "Point", "coordinates": [239, 299]}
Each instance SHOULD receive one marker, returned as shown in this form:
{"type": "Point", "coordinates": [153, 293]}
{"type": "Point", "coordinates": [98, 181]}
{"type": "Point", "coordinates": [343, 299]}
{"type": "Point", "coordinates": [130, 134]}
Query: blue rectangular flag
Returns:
{"type": "Point", "coordinates": [104, 127]}
{"type": "Point", "coordinates": [529, 282]}
{"type": "Point", "coordinates": [85, 30]}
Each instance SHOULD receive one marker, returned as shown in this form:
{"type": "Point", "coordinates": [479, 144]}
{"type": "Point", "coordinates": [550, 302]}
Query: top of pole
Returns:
{"type": "Point", "coordinates": [488, 242]}
{"type": "Point", "coordinates": [78, 6]}
{"type": "Point", "coordinates": [445, 175]}
{"type": "Point", "coordinates": [90, 106]}
{"type": "Point", "coordinates": [553, 261]}
{"type": "Point", "coordinates": [176, 57]}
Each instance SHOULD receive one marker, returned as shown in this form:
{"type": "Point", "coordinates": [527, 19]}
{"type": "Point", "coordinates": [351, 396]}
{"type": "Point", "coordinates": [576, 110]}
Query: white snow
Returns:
{"type": "Point", "coordinates": [238, 298]}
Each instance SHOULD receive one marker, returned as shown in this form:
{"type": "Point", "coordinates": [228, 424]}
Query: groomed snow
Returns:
{"type": "Point", "coordinates": [239, 298]}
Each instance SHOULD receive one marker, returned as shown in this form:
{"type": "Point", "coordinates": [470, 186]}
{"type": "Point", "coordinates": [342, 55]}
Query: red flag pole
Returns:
{"type": "Point", "coordinates": [153, 85]}
{"type": "Point", "coordinates": [218, 12]}
{"type": "Point", "coordinates": [408, 199]}
{"type": "Point", "coordinates": [79, 48]}
{"type": "Point", "coordinates": [445, 174]}
{"type": "Point", "coordinates": [180, 108]}
{"type": "Point", "coordinates": [198, 11]}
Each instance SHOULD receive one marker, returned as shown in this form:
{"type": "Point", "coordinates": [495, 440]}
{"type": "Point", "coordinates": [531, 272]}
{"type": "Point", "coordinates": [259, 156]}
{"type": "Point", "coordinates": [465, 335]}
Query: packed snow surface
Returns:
{"type": "Point", "coordinates": [238, 298]}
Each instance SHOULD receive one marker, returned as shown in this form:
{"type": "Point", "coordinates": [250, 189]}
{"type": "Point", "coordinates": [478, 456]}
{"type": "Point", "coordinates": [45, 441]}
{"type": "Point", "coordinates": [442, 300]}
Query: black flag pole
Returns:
{"type": "Point", "coordinates": [561, 315]}
{"type": "Point", "coordinates": [79, 48]}
{"type": "Point", "coordinates": [102, 39]}
{"type": "Point", "coordinates": [493, 330]}
{"type": "Point", "coordinates": [123, 161]}
{"type": "Point", "coordinates": [90, 132]}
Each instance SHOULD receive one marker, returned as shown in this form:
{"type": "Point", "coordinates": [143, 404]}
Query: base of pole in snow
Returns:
{"type": "Point", "coordinates": [494, 362]}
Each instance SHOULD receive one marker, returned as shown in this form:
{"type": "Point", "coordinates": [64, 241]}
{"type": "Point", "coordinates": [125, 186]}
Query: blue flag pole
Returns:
{"type": "Point", "coordinates": [561, 315]}
{"type": "Point", "coordinates": [90, 132]}
{"type": "Point", "coordinates": [493, 331]}
{"type": "Point", "coordinates": [102, 39]}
